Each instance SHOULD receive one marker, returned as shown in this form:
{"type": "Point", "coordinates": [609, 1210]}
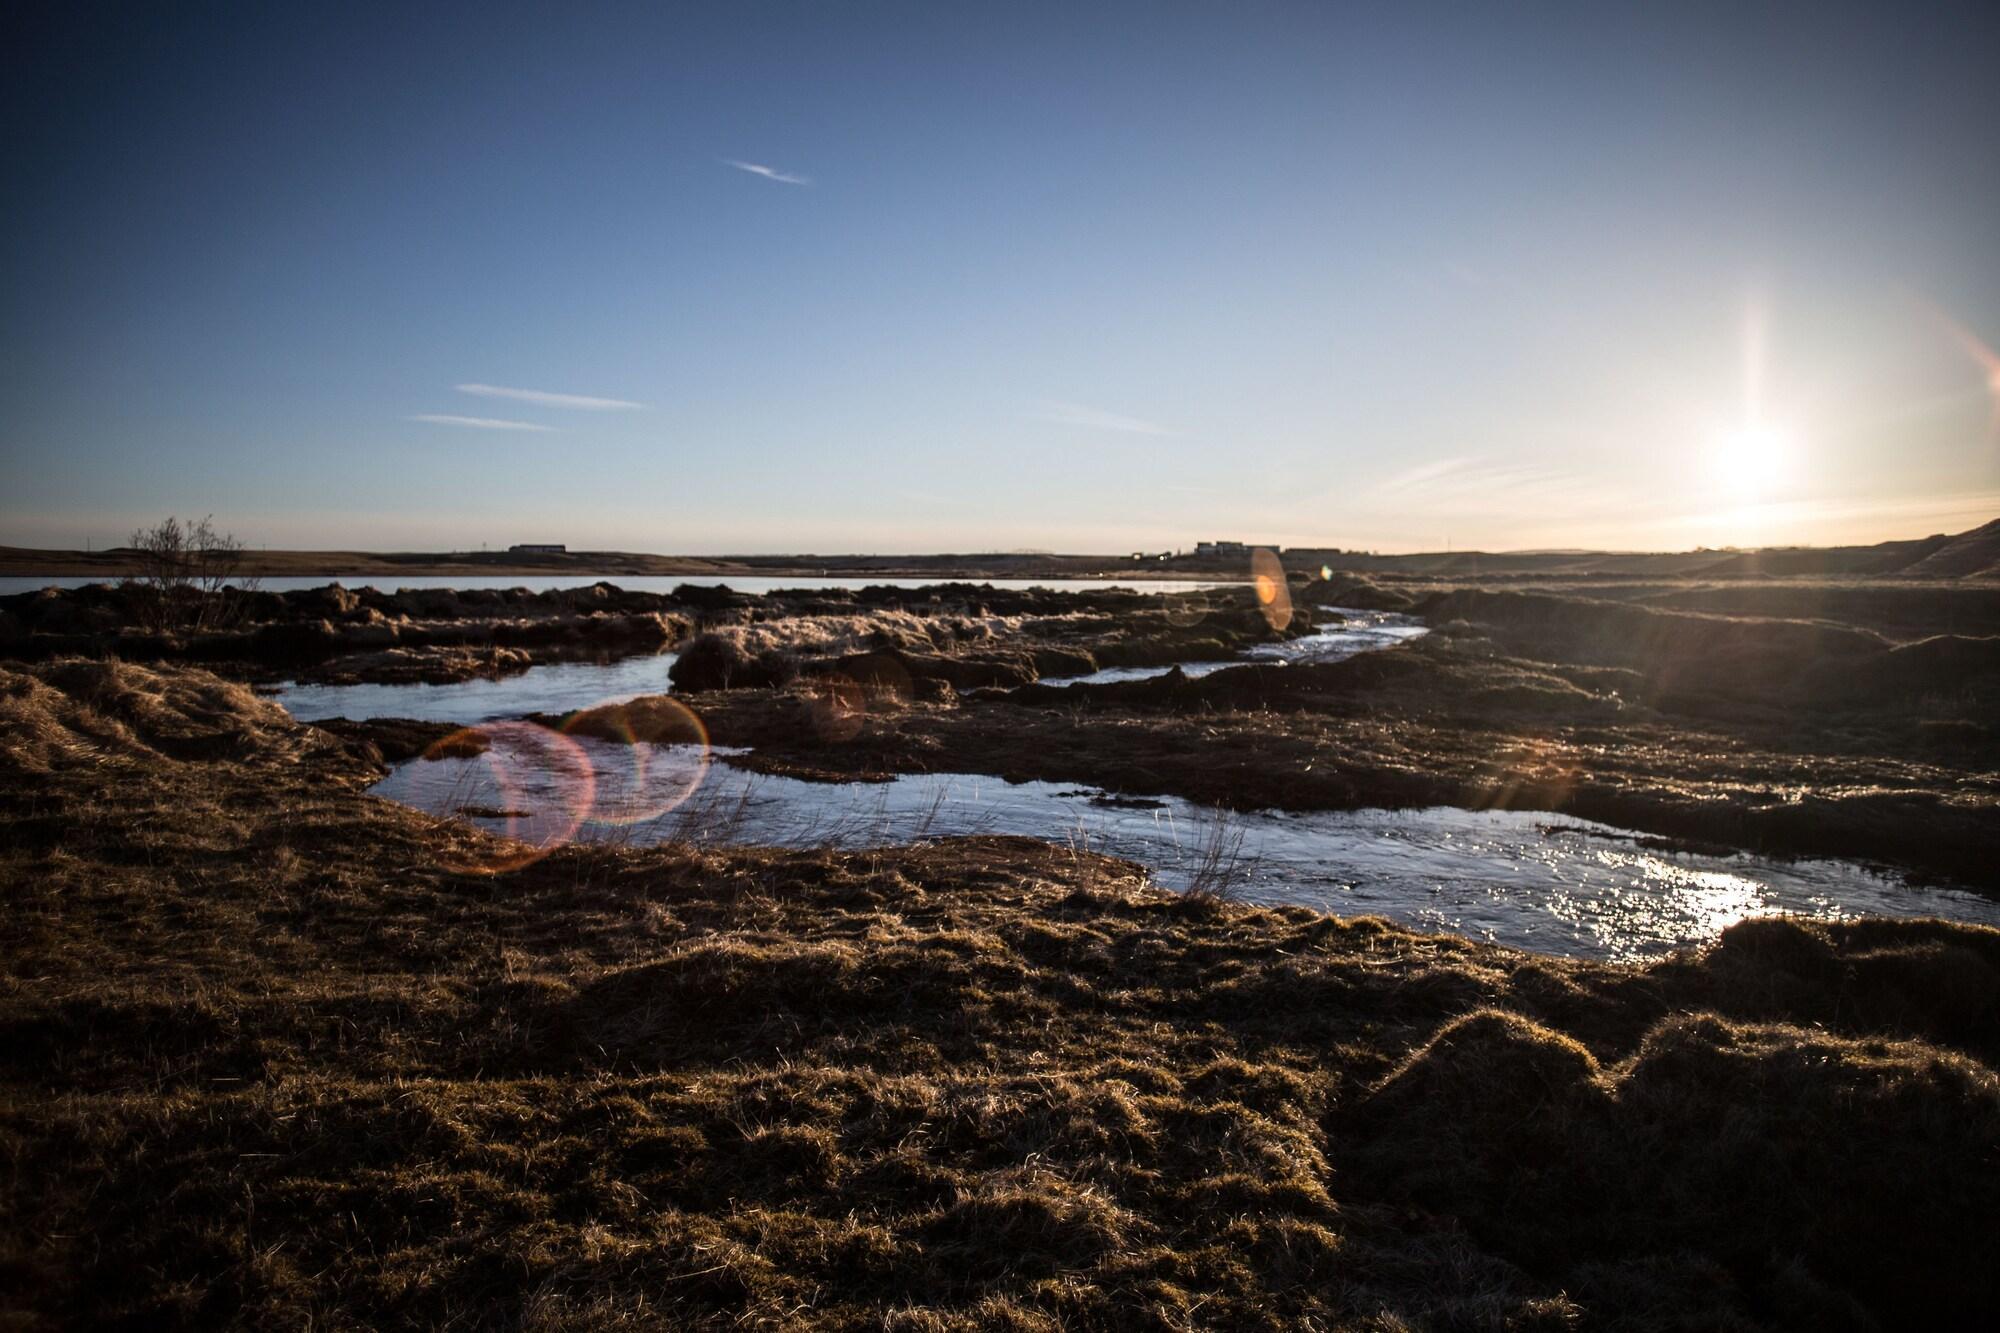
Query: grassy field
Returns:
{"type": "Point", "coordinates": [270, 1061]}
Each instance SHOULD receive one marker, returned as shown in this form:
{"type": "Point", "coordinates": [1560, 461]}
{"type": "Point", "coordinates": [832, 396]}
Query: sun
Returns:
{"type": "Point", "coordinates": [1752, 457]}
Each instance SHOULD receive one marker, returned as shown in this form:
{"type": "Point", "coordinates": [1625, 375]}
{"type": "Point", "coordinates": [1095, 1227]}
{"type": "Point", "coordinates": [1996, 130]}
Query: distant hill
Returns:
{"type": "Point", "coordinates": [1970, 554]}
{"type": "Point", "coordinates": [1882, 558]}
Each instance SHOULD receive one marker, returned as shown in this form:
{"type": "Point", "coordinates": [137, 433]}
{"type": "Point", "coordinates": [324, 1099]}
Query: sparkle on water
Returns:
{"type": "Point", "coordinates": [1360, 632]}
{"type": "Point", "coordinates": [1530, 880]}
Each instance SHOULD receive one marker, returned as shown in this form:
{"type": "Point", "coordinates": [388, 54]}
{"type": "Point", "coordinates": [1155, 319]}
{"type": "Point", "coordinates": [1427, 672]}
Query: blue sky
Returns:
{"type": "Point", "coordinates": [1073, 277]}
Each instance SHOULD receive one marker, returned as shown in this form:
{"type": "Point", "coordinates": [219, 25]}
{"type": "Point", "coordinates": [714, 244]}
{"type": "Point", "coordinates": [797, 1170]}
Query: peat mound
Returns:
{"type": "Point", "coordinates": [82, 710]}
{"type": "Point", "coordinates": [1788, 1157]}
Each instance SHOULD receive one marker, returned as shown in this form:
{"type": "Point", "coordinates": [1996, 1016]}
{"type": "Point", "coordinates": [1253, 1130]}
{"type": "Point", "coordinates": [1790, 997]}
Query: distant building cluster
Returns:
{"type": "Point", "coordinates": [538, 548]}
{"type": "Point", "coordinates": [1211, 551]}
{"type": "Point", "coordinates": [1229, 548]}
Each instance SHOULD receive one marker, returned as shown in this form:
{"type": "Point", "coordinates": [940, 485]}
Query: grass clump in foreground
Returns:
{"type": "Point", "coordinates": [268, 1061]}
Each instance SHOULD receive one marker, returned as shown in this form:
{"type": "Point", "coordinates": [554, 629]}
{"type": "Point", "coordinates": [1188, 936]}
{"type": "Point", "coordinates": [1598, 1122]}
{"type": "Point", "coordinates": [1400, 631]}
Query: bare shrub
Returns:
{"type": "Point", "coordinates": [1217, 868]}
{"type": "Point", "coordinates": [190, 576]}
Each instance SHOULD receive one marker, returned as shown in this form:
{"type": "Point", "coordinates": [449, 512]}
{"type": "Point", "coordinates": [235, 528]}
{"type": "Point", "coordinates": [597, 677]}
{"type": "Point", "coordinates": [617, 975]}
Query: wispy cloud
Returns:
{"type": "Point", "coordinates": [1423, 474]}
{"type": "Point", "coordinates": [768, 173]}
{"type": "Point", "coordinates": [1092, 418]}
{"type": "Point", "coordinates": [1479, 482]}
{"type": "Point", "coordinates": [476, 423]}
{"type": "Point", "coordinates": [544, 399]}
{"type": "Point", "coordinates": [1496, 495]}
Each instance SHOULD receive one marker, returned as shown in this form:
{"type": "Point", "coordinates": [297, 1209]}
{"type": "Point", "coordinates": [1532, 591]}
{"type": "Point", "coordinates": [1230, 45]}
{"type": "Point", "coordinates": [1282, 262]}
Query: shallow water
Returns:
{"type": "Point", "coordinates": [1360, 632]}
{"type": "Point", "coordinates": [1533, 881]}
{"type": "Point", "coordinates": [557, 687]}
{"type": "Point", "coordinates": [661, 583]}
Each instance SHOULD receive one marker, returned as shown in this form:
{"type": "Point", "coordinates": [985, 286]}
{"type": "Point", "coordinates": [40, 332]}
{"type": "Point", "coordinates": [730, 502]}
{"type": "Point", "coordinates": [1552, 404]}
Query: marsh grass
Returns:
{"type": "Point", "coordinates": [270, 1061]}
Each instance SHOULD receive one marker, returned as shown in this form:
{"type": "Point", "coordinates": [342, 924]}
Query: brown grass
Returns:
{"type": "Point", "coordinates": [268, 1062]}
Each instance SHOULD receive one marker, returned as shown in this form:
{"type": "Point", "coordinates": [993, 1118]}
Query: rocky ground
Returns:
{"type": "Point", "coordinates": [266, 1059]}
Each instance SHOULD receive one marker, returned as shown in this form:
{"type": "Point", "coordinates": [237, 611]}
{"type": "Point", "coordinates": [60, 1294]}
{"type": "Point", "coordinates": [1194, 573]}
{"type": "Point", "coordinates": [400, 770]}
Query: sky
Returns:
{"type": "Point", "coordinates": [861, 277]}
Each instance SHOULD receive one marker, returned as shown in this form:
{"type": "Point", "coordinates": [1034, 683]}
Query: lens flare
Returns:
{"type": "Point", "coordinates": [1274, 595]}
{"type": "Point", "coordinates": [538, 783]}
{"type": "Point", "coordinates": [656, 755]}
{"type": "Point", "coordinates": [1983, 356]}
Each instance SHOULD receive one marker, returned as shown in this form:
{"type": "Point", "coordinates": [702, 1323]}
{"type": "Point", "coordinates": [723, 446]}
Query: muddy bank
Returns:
{"type": "Point", "coordinates": [269, 1059]}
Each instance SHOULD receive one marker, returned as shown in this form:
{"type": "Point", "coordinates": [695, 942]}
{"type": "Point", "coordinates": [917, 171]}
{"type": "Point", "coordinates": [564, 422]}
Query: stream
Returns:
{"type": "Point", "coordinates": [1529, 880]}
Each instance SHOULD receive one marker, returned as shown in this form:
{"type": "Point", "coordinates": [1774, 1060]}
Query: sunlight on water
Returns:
{"type": "Point", "coordinates": [1530, 880]}
{"type": "Point", "coordinates": [1360, 632]}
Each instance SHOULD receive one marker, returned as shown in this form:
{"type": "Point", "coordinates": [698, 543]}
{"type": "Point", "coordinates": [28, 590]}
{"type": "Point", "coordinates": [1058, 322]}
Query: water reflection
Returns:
{"type": "Point", "coordinates": [554, 689]}
{"type": "Point", "coordinates": [1530, 880]}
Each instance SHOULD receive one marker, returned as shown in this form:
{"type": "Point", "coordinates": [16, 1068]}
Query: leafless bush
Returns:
{"type": "Point", "coordinates": [190, 576]}
{"type": "Point", "coordinates": [1218, 868]}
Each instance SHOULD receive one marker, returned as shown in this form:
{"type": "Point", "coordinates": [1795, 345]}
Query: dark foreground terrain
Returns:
{"type": "Point", "coordinates": [267, 1059]}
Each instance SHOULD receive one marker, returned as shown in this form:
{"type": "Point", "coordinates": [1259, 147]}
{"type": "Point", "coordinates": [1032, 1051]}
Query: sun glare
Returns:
{"type": "Point", "coordinates": [1752, 458]}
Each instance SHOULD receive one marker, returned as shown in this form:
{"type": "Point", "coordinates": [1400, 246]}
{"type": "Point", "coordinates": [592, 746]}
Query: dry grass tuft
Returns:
{"type": "Point", "coordinates": [268, 1061]}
